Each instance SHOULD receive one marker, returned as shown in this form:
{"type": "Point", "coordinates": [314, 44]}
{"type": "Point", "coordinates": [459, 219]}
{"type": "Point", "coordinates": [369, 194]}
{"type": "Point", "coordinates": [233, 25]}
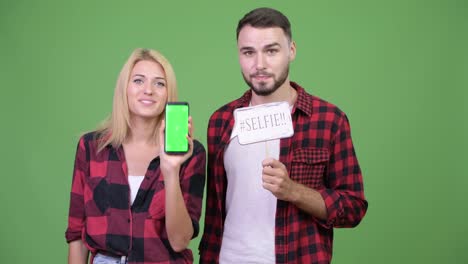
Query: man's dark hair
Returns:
{"type": "Point", "coordinates": [265, 17]}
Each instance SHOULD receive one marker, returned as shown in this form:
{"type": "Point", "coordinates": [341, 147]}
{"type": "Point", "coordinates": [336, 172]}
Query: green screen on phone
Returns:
{"type": "Point", "coordinates": [175, 141]}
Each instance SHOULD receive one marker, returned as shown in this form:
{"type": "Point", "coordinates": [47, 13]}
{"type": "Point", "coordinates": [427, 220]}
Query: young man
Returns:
{"type": "Point", "coordinates": [281, 206]}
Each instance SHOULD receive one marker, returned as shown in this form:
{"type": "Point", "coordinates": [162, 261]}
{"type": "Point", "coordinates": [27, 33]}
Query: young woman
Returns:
{"type": "Point", "coordinates": [130, 201]}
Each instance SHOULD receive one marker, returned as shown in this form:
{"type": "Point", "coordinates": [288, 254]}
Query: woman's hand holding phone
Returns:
{"type": "Point", "coordinates": [172, 162]}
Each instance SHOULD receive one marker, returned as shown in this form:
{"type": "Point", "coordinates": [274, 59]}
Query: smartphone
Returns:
{"type": "Point", "coordinates": [175, 136]}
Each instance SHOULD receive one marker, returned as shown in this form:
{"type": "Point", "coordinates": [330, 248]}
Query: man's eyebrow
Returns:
{"type": "Point", "coordinates": [246, 48]}
{"type": "Point", "coordinates": [269, 46]}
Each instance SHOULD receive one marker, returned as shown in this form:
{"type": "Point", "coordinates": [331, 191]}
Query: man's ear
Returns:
{"type": "Point", "coordinates": [292, 51]}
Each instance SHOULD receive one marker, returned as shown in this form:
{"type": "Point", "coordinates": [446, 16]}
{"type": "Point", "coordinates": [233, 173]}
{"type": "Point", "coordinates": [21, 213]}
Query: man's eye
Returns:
{"type": "Point", "coordinates": [272, 51]}
{"type": "Point", "coordinates": [248, 53]}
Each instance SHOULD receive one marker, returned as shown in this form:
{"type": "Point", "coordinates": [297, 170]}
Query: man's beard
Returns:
{"type": "Point", "coordinates": [263, 89]}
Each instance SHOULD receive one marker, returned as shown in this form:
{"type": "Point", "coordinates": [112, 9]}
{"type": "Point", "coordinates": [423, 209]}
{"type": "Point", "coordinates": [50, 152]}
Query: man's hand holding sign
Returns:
{"type": "Point", "coordinates": [276, 179]}
{"type": "Point", "coordinates": [273, 121]}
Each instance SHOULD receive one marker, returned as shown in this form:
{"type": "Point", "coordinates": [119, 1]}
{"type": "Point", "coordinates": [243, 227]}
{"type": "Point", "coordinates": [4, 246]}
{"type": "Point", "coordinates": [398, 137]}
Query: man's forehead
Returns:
{"type": "Point", "coordinates": [251, 36]}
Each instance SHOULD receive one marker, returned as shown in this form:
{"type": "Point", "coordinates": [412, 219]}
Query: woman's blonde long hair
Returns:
{"type": "Point", "coordinates": [115, 128]}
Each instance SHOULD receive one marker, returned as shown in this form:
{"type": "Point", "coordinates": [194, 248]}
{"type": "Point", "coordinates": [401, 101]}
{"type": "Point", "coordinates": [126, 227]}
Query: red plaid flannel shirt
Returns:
{"type": "Point", "coordinates": [319, 155]}
{"type": "Point", "coordinates": [101, 214]}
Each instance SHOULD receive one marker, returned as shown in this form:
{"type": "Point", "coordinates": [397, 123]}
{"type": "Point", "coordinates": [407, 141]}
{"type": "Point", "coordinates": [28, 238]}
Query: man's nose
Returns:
{"type": "Point", "coordinates": [260, 62]}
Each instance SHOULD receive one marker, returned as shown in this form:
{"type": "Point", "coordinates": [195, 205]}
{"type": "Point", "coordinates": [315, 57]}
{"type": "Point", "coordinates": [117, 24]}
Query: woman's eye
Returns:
{"type": "Point", "coordinates": [160, 84]}
{"type": "Point", "coordinates": [138, 81]}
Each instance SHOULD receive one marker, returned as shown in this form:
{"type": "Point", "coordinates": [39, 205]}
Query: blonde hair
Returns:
{"type": "Point", "coordinates": [115, 128]}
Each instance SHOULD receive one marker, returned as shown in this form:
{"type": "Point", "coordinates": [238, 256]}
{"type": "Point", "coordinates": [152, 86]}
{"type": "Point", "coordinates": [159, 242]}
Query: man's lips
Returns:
{"type": "Point", "coordinates": [261, 77]}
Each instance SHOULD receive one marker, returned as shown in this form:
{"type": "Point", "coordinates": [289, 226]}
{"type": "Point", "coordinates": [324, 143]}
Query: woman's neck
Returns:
{"type": "Point", "coordinates": [141, 132]}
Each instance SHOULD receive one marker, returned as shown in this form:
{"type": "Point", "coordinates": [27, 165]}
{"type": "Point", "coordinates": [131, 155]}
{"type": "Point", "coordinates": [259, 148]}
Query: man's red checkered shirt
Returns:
{"type": "Point", "coordinates": [319, 155]}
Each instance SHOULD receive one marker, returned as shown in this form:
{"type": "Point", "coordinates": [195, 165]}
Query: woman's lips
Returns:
{"type": "Point", "coordinates": [147, 101]}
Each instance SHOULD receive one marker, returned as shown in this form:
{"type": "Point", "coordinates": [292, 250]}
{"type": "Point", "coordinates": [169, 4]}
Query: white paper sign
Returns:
{"type": "Point", "coordinates": [262, 122]}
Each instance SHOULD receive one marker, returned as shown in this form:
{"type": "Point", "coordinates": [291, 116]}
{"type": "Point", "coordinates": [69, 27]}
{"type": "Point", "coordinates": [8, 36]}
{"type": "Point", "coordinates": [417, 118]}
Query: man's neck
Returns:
{"type": "Point", "coordinates": [284, 93]}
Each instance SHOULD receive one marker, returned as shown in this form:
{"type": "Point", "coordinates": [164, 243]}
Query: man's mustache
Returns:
{"type": "Point", "coordinates": [261, 73]}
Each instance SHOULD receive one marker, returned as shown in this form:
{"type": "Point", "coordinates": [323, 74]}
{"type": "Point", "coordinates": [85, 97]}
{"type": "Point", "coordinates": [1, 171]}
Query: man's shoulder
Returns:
{"type": "Point", "coordinates": [227, 110]}
{"type": "Point", "coordinates": [317, 105]}
{"type": "Point", "coordinates": [325, 106]}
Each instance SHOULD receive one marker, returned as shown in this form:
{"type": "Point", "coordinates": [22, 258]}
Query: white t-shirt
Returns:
{"type": "Point", "coordinates": [134, 182]}
{"type": "Point", "coordinates": [249, 228]}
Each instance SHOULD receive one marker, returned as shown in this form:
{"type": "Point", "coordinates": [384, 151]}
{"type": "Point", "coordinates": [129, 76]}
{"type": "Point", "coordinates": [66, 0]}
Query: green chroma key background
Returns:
{"type": "Point", "coordinates": [399, 69]}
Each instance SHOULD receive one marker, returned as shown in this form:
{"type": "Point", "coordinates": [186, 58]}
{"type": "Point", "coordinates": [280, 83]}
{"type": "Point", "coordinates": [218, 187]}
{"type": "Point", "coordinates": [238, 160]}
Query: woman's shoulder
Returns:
{"type": "Point", "coordinates": [198, 147]}
{"type": "Point", "coordinates": [90, 137]}
{"type": "Point", "coordinates": [90, 140]}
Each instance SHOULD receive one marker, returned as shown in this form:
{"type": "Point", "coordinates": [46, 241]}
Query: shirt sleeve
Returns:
{"type": "Point", "coordinates": [344, 192]}
{"type": "Point", "coordinates": [193, 183]}
{"type": "Point", "coordinates": [210, 243]}
{"type": "Point", "coordinates": [76, 216]}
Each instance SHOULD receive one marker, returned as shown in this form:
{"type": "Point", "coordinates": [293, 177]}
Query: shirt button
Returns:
{"type": "Point", "coordinates": [128, 220]}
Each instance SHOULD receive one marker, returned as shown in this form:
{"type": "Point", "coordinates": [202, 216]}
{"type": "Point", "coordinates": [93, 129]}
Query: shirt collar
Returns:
{"type": "Point", "coordinates": [303, 101]}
